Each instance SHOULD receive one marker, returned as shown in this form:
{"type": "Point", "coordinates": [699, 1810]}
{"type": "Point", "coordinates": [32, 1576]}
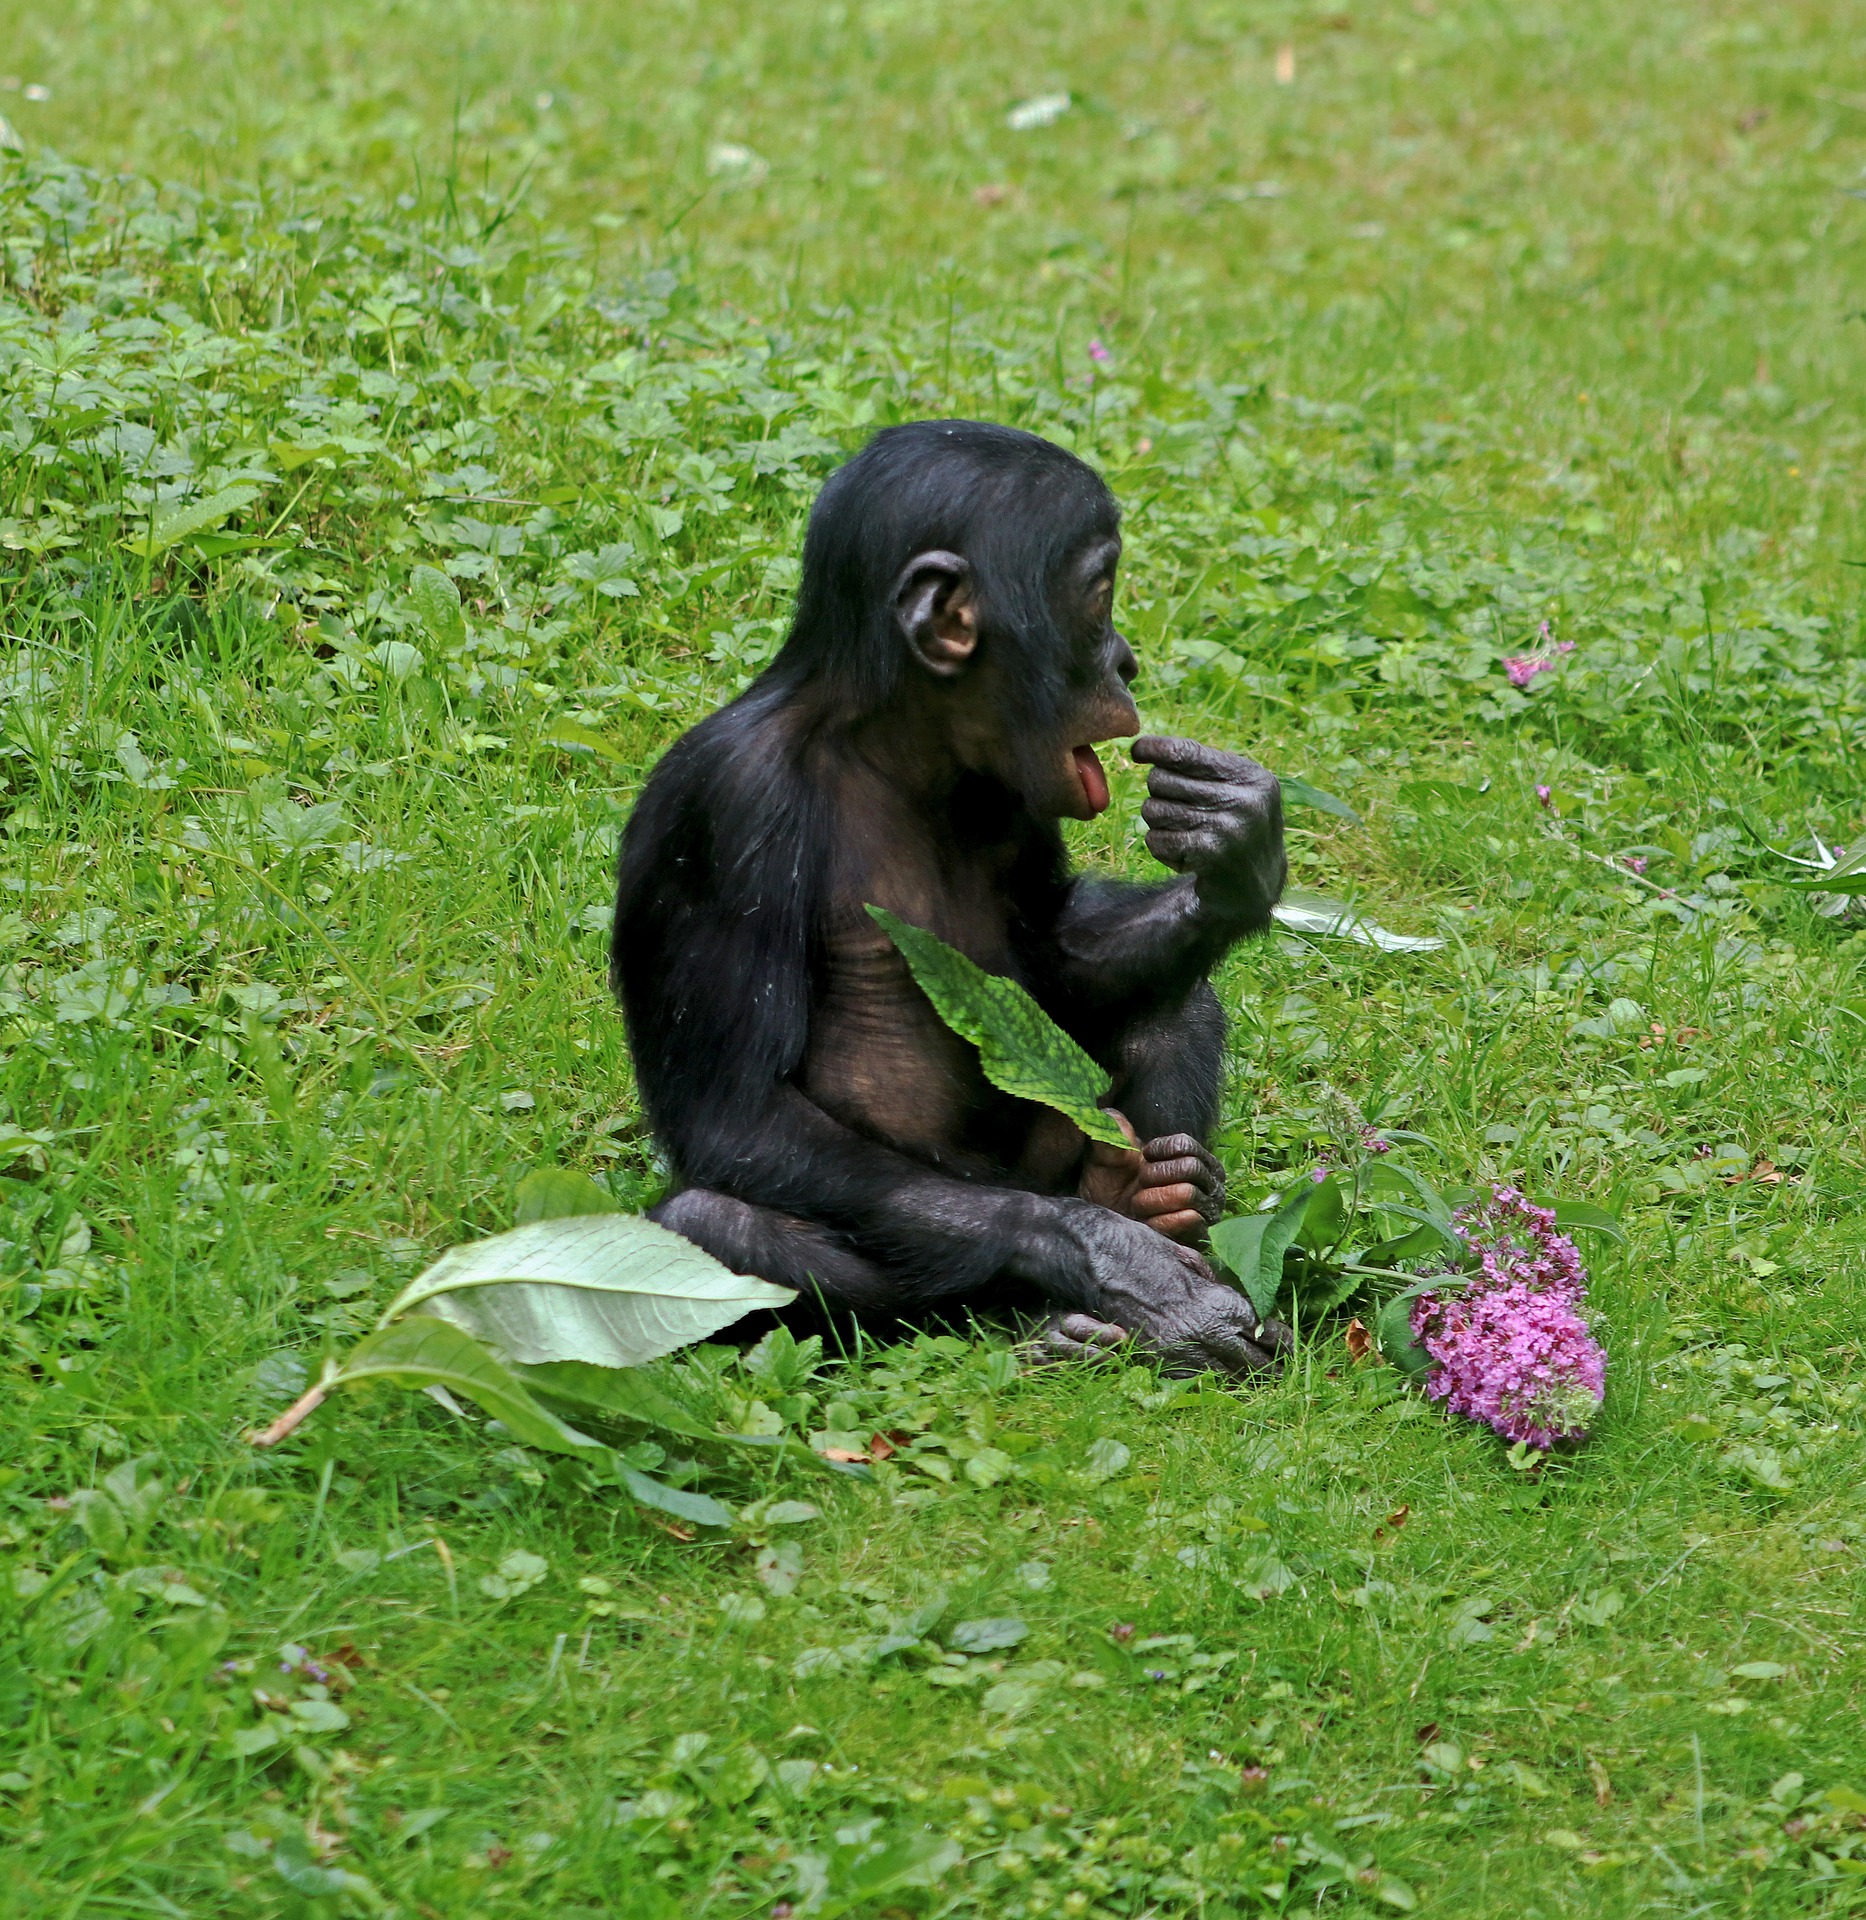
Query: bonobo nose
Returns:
{"type": "Point", "coordinates": [1124, 662]}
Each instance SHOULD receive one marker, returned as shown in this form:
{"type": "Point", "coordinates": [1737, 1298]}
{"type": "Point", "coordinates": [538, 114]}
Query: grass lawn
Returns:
{"type": "Point", "coordinates": [1400, 330]}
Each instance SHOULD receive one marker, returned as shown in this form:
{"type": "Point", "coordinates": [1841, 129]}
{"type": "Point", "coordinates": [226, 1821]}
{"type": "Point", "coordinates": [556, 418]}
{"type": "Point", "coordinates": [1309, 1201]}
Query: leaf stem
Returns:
{"type": "Point", "coordinates": [1387, 1273]}
{"type": "Point", "coordinates": [293, 1417]}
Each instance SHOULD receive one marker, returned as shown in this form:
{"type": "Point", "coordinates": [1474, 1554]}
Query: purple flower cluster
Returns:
{"type": "Point", "coordinates": [1510, 1347]}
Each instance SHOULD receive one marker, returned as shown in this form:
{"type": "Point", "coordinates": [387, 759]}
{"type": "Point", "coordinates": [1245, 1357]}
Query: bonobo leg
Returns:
{"type": "Point", "coordinates": [1169, 1065]}
{"type": "Point", "coordinates": [779, 1247]}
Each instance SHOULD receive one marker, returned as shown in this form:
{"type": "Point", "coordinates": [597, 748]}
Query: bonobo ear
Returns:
{"type": "Point", "coordinates": [937, 609]}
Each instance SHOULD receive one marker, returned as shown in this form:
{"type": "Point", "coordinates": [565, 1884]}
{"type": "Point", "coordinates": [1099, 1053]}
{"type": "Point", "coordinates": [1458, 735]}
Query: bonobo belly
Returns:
{"type": "Point", "coordinates": [885, 1065]}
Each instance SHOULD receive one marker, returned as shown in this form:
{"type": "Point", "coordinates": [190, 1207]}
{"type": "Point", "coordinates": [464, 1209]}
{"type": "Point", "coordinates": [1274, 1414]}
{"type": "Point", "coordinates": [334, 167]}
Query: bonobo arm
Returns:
{"type": "Point", "coordinates": [1216, 818]}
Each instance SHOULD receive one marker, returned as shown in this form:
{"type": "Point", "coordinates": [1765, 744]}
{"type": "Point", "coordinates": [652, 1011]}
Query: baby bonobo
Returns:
{"type": "Point", "coordinates": [931, 718]}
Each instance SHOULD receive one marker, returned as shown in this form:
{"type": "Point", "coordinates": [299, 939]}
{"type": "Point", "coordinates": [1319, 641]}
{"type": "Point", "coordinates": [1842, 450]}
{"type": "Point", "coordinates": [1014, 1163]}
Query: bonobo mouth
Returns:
{"type": "Point", "coordinates": [1094, 781]}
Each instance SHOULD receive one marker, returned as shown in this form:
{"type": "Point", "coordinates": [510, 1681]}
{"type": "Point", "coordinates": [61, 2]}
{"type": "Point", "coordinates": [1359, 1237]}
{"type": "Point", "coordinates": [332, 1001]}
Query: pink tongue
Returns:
{"type": "Point", "coordinates": [1094, 781]}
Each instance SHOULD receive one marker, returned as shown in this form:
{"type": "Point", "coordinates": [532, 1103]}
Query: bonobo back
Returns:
{"type": "Point", "coordinates": [717, 886]}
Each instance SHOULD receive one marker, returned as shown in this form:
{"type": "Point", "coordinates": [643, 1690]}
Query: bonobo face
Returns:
{"type": "Point", "coordinates": [1030, 716]}
{"type": "Point", "coordinates": [1067, 780]}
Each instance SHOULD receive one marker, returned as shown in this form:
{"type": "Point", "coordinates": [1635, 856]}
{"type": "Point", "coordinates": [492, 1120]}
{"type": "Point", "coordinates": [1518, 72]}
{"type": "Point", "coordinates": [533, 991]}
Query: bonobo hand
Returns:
{"type": "Point", "coordinates": [1169, 1300]}
{"type": "Point", "coordinates": [1219, 817]}
{"type": "Point", "coordinates": [1172, 1183]}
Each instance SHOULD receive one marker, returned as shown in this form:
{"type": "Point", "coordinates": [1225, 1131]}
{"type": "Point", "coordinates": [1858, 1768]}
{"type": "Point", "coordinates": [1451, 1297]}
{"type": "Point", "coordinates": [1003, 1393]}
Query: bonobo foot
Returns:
{"type": "Point", "coordinates": [1178, 1311]}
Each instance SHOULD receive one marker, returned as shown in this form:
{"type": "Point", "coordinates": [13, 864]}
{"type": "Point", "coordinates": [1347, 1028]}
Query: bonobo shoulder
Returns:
{"type": "Point", "coordinates": [726, 813]}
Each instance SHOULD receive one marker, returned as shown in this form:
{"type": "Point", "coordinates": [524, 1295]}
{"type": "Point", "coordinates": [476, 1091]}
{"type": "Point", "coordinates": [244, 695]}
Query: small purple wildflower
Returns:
{"type": "Point", "coordinates": [1098, 353]}
{"type": "Point", "coordinates": [1371, 1142]}
{"type": "Point", "coordinates": [1543, 796]}
{"type": "Point", "coordinates": [1633, 862]}
{"type": "Point", "coordinates": [1523, 668]}
{"type": "Point", "coordinates": [1510, 1348]}
{"type": "Point", "coordinates": [1564, 646]}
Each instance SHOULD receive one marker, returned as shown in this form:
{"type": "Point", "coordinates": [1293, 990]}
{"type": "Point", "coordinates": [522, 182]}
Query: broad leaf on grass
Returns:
{"type": "Point", "coordinates": [1298, 793]}
{"type": "Point", "coordinates": [1305, 912]}
{"type": "Point", "coordinates": [559, 1193]}
{"type": "Point", "coordinates": [699, 1508]}
{"type": "Point", "coordinates": [437, 606]}
{"type": "Point", "coordinates": [575, 738]}
{"type": "Point", "coordinates": [1591, 1219]}
{"type": "Point", "coordinates": [1393, 1330]}
{"type": "Point", "coordinates": [625, 1395]}
{"type": "Point", "coordinates": [1022, 1051]}
{"type": "Point", "coordinates": [610, 1289]}
{"type": "Point", "coordinates": [423, 1351]}
{"type": "Point", "coordinates": [1252, 1245]}
{"type": "Point", "coordinates": [196, 517]}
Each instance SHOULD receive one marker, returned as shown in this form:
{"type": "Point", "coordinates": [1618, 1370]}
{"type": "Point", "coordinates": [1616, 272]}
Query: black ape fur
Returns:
{"type": "Point", "coordinates": [926, 721]}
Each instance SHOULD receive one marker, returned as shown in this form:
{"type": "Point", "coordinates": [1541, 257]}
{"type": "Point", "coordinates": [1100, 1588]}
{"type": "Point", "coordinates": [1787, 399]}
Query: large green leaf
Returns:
{"type": "Point", "coordinates": [437, 606]}
{"type": "Point", "coordinates": [1305, 912]}
{"type": "Point", "coordinates": [423, 1351]}
{"type": "Point", "coordinates": [611, 1289]}
{"type": "Point", "coordinates": [1252, 1245]}
{"type": "Point", "coordinates": [625, 1395]}
{"type": "Point", "coordinates": [1021, 1049]}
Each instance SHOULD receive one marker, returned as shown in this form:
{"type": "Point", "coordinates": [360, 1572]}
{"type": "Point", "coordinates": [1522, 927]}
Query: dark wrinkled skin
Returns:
{"type": "Point", "coordinates": [827, 1130]}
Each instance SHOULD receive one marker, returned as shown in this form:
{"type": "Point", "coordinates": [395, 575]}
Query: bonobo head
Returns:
{"type": "Point", "coordinates": [958, 589]}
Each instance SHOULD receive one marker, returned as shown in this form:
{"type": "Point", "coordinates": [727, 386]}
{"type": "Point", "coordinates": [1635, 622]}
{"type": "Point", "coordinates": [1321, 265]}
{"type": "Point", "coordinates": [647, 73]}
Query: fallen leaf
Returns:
{"type": "Point", "coordinates": [1603, 1787]}
{"type": "Point", "coordinates": [1393, 1522]}
{"type": "Point", "coordinates": [1360, 1341]}
{"type": "Point", "coordinates": [847, 1456]}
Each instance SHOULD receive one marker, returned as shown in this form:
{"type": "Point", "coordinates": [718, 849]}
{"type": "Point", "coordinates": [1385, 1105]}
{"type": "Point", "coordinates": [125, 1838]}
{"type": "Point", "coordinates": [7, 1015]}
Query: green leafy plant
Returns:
{"type": "Point", "coordinates": [1360, 1224]}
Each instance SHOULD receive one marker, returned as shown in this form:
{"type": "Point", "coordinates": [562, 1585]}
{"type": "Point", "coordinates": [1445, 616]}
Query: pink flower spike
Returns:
{"type": "Point", "coordinates": [1509, 1346]}
{"type": "Point", "coordinates": [1523, 668]}
{"type": "Point", "coordinates": [1098, 353]}
{"type": "Point", "coordinates": [1544, 796]}
{"type": "Point", "coordinates": [1564, 646]}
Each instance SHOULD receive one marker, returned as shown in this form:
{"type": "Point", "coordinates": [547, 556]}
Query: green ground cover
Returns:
{"type": "Point", "coordinates": [1478, 318]}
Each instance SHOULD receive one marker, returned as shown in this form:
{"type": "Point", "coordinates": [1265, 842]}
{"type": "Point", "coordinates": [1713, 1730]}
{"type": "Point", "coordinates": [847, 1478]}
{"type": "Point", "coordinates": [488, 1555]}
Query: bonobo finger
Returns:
{"type": "Point", "coordinates": [1177, 1146]}
{"type": "Point", "coordinates": [1232, 1353]}
{"type": "Point", "coordinates": [1170, 1148]}
{"type": "Point", "coordinates": [1214, 793]}
{"type": "Point", "coordinates": [1155, 1200]}
{"type": "Point", "coordinates": [1189, 756]}
{"type": "Point", "coordinates": [1089, 1332]}
{"type": "Point", "coordinates": [1185, 1225]}
{"type": "Point", "coordinates": [1171, 817]}
{"type": "Point", "coordinates": [1275, 1336]}
{"type": "Point", "coordinates": [1195, 1175]}
{"type": "Point", "coordinates": [1179, 850]}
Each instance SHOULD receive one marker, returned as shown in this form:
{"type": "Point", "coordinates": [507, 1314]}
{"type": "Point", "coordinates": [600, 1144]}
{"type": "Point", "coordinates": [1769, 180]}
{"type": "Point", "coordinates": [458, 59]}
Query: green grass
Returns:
{"type": "Point", "coordinates": [1553, 316]}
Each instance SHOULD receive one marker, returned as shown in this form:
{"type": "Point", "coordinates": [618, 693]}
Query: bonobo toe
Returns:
{"type": "Point", "coordinates": [1073, 1336]}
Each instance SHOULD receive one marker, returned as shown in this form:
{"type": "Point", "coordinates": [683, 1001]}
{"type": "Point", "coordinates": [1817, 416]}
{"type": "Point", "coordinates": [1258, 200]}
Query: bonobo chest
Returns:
{"type": "Point", "coordinates": [880, 1059]}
